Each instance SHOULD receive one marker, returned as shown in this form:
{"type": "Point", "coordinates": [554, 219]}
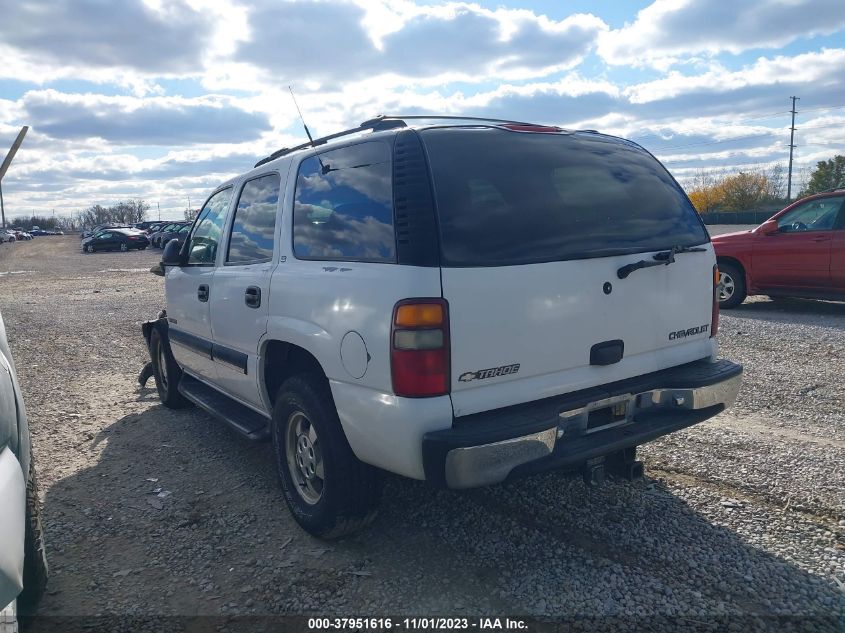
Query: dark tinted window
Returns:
{"type": "Point", "coordinates": [254, 225]}
{"type": "Point", "coordinates": [511, 198]}
{"type": "Point", "coordinates": [343, 207]}
{"type": "Point", "coordinates": [206, 234]}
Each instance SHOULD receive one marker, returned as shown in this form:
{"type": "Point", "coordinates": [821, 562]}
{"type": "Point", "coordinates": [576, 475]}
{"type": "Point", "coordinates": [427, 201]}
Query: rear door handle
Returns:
{"type": "Point", "coordinates": [825, 238]}
{"type": "Point", "coordinates": [252, 297]}
{"type": "Point", "coordinates": [202, 293]}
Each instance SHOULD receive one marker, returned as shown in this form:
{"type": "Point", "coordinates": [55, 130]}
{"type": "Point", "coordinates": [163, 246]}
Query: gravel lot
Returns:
{"type": "Point", "coordinates": [740, 518]}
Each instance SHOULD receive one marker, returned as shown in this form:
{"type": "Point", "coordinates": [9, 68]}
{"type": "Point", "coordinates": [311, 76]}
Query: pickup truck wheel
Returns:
{"type": "Point", "coordinates": [35, 570]}
{"type": "Point", "coordinates": [328, 490]}
{"type": "Point", "coordinates": [731, 286]}
{"type": "Point", "coordinates": [166, 372]}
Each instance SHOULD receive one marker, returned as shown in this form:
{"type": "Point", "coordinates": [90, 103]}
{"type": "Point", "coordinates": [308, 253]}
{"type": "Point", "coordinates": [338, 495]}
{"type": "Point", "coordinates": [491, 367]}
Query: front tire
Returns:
{"type": "Point", "coordinates": [731, 285]}
{"type": "Point", "coordinates": [124, 247]}
{"type": "Point", "coordinates": [90, 248]}
{"type": "Point", "coordinates": [35, 569]}
{"type": "Point", "coordinates": [166, 372]}
{"type": "Point", "coordinates": [328, 490]}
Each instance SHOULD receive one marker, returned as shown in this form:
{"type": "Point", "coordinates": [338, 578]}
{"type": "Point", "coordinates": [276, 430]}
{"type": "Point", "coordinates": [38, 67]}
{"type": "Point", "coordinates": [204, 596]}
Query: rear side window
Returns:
{"type": "Point", "coordinates": [205, 237]}
{"type": "Point", "coordinates": [506, 198]}
{"type": "Point", "coordinates": [343, 208]}
{"type": "Point", "coordinates": [254, 225]}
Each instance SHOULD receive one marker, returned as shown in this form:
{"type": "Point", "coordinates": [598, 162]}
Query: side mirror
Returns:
{"type": "Point", "coordinates": [172, 256]}
{"type": "Point", "coordinates": [769, 227]}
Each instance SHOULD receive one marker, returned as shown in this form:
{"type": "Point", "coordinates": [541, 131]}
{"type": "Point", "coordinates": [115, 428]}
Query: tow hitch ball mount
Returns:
{"type": "Point", "coordinates": [623, 464]}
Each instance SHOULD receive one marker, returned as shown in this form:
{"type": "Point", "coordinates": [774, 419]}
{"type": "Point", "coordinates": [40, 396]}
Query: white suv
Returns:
{"type": "Point", "coordinates": [457, 300]}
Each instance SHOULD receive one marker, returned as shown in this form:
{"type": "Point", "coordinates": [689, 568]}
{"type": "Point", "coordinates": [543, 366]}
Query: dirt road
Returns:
{"type": "Point", "coordinates": [155, 512]}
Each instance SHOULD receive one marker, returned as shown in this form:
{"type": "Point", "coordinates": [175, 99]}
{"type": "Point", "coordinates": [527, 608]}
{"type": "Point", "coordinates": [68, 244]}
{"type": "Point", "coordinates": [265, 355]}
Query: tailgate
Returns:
{"type": "Point", "coordinates": [533, 326]}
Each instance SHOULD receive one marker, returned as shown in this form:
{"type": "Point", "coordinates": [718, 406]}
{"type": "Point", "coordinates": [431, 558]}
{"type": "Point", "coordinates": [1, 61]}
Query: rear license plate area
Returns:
{"type": "Point", "coordinates": [607, 416]}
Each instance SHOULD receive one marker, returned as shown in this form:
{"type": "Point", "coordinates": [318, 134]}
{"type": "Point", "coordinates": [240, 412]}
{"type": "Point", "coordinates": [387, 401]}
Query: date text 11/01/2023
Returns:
{"type": "Point", "coordinates": [417, 624]}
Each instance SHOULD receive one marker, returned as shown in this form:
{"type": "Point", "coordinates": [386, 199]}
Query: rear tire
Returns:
{"type": "Point", "coordinates": [732, 285]}
{"type": "Point", "coordinates": [35, 569]}
{"type": "Point", "coordinates": [166, 372]}
{"type": "Point", "coordinates": [329, 491]}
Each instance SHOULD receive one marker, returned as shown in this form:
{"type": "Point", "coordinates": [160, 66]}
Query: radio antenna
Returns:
{"type": "Point", "coordinates": [310, 138]}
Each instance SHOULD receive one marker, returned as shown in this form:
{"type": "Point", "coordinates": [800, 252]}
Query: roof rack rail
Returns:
{"type": "Point", "coordinates": [377, 124]}
{"type": "Point", "coordinates": [384, 122]}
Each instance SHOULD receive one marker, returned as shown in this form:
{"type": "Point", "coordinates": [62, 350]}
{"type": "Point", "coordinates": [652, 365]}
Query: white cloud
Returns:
{"type": "Point", "coordinates": [670, 29]}
{"type": "Point", "coordinates": [330, 42]}
{"type": "Point", "coordinates": [148, 121]}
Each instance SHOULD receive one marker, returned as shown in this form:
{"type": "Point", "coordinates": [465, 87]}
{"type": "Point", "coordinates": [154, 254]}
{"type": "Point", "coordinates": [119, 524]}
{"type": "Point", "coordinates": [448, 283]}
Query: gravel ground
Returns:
{"type": "Point", "coordinates": [151, 512]}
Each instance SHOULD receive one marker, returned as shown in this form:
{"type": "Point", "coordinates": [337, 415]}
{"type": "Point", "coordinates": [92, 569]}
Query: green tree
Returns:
{"type": "Point", "coordinates": [828, 174]}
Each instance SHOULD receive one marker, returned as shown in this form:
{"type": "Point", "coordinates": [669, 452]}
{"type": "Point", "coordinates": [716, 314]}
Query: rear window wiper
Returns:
{"type": "Point", "coordinates": [663, 258]}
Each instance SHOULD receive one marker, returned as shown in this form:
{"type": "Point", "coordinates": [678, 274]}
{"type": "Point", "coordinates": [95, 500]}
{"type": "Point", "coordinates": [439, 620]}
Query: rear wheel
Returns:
{"type": "Point", "coordinates": [328, 490]}
{"type": "Point", "coordinates": [35, 569]}
{"type": "Point", "coordinates": [166, 372]}
{"type": "Point", "coordinates": [731, 285]}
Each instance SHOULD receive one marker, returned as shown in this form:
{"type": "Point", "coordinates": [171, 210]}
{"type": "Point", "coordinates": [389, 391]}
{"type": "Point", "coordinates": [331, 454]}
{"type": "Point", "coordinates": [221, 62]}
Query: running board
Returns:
{"type": "Point", "coordinates": [243, 419]}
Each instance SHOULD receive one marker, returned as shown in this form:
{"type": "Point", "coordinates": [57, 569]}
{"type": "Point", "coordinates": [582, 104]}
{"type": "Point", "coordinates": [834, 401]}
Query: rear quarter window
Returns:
{"type": "Point", "coordinates": [343, 205]}
{"type": "Point", "coordinates": [506, 198]}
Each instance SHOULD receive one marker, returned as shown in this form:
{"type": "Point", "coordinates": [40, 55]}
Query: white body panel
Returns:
{"type": "Point", "coordinates": [387, 431]}
{"type": "Point", "coordinates": [191, 315]}
{"type": "Point", "coordinates": [12, 523]}
{"type": "Point", "coordinates": [240, 327]}
{"type": "Point", "coordinates": [546, 317]}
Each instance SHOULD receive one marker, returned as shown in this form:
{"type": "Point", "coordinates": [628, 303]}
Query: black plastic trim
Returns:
{"type": "Point", "coordinates": [229, 356]}
{"type": "Point", "coordinates": [607, 353]}
{"type": "Point", "coordinates": [191, 341]}
{"type": "Point", "coordinates": [414, 218]}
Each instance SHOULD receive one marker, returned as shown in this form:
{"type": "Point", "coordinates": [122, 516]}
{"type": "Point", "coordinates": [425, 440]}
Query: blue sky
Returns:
{"type": "Point", "coordinates": [163, 99]}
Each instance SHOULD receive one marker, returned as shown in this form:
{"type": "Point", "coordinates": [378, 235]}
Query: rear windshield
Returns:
{"type": "Point", "coordinates": [506, 198]}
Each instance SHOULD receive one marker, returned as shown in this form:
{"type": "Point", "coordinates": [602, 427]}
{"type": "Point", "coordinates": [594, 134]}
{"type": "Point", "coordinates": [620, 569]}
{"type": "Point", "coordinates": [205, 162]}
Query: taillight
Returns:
{"type": "Point", "coordinates": [714, 317]}
{"type": "Point", "coordinates": [419, 348]}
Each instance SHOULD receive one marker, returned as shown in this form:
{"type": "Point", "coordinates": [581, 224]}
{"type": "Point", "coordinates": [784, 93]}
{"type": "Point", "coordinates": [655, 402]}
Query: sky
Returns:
{"type": "Point", "coordinates": [164, 99]}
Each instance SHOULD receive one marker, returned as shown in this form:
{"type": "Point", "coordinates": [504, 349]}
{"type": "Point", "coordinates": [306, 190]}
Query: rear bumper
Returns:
{"type": "Point", "coordinates": [566, 431]}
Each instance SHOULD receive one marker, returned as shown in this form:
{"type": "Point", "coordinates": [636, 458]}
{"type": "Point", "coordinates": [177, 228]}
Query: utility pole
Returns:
{"type": "Point", "coordinates": [5, 167]}
{"type": "Point", "coordinates": [791, 147]}
{"type": "Point", "coordinates": [158, 206]}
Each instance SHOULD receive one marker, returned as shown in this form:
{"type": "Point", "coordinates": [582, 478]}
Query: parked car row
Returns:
{"type": "Point", "coordinates": [14, 235]}
{"type": "Point", "coordinates": [116, 239]}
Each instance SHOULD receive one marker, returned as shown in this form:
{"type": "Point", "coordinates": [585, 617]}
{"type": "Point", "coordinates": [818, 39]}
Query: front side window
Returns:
{"type": "Point", "coordinates": [815, 215]}
{"type": "Point", "coordinates": [343, 208]}
{"type": "Point", "coordinates": [202, 245]}
{"type": "Point", "coordinates": [254, 225]}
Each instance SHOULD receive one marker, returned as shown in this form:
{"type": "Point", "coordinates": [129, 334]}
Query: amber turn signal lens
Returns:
{"type": "Point", "coordinates": [419, 315]}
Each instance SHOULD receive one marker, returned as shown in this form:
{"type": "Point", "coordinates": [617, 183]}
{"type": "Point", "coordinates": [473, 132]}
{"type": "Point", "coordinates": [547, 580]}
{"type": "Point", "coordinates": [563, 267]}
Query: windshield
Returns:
{"type": "Point", "coordinates": [506, 198]}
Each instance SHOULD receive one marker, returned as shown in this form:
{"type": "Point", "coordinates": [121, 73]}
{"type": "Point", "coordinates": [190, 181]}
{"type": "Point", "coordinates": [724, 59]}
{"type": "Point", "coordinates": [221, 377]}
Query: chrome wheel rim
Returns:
{"type": "Point", "coordinates": [162, 367]}
{"type": "Point", "coordinates": [124, 247]}
{"type": "Point", "coordinates": [727, 287]}
{"type": "Point", "coordinates": [304, 457]}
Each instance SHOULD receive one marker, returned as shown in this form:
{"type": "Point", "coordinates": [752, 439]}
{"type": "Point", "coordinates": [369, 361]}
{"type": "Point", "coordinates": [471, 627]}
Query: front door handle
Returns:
{"type": "Point", "coordinates": [252, 297]}
{"type": "Point", "coordinates": [824, 238]}
{"type": "Point", "coordinates": [202, 293]}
